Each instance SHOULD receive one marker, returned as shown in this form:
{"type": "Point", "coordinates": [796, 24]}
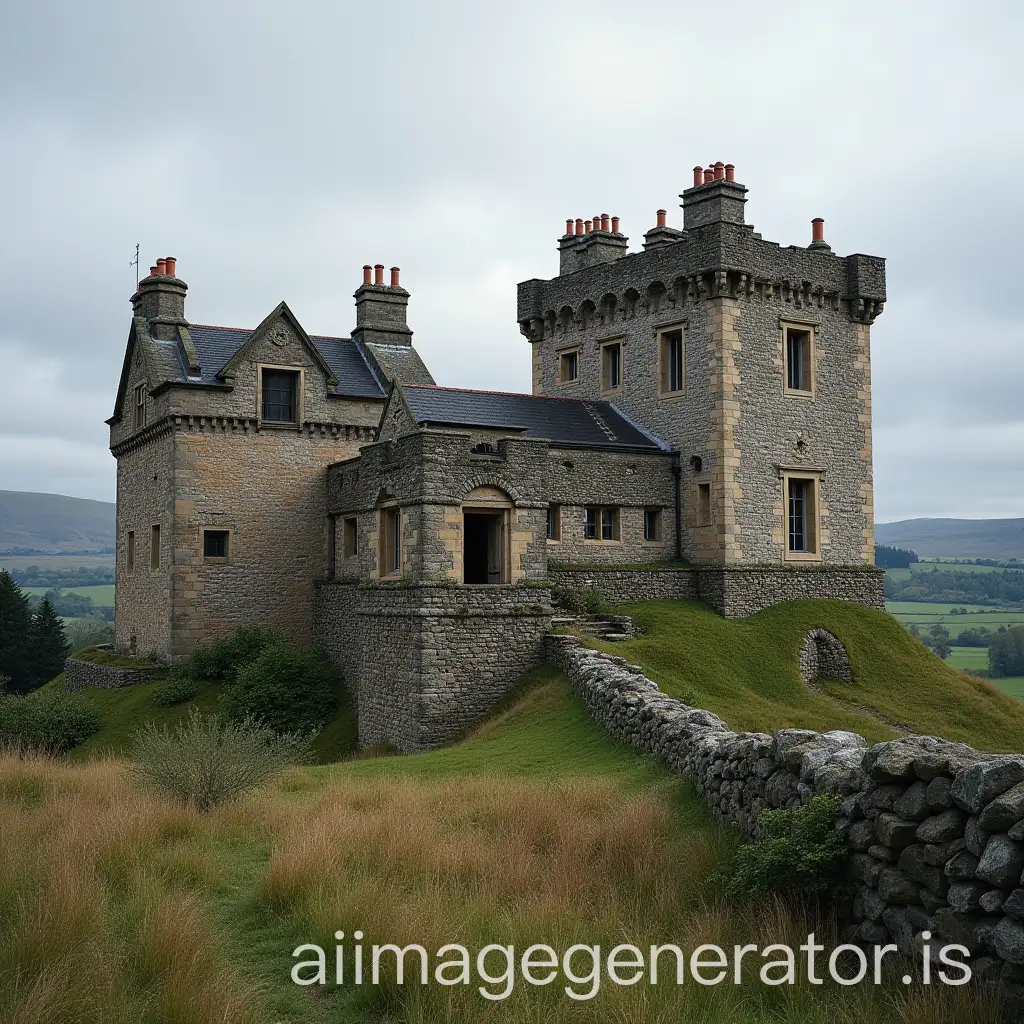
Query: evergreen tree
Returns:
{"type": "Point", "coordinates": [15, 627]}
{"type": "Point", "coordinates": [49, 645]}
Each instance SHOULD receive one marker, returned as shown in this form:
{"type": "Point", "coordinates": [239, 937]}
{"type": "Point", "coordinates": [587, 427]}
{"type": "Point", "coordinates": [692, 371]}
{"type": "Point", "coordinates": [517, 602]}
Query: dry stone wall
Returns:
{"type": "Point", "coordinates": [935, 829]}
{"type": "Point", "coordinates": [80, 674]}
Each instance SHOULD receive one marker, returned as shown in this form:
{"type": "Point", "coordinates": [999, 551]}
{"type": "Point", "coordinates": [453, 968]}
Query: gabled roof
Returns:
{"type": "Point", "coordinates": [568, 422]}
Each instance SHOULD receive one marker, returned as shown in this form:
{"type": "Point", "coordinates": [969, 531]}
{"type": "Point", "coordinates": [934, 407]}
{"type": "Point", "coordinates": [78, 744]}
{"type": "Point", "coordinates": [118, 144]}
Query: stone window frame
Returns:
{"type": "Point", "coordinates": [811, 328]}
{"type": "Point", "coordinates": [576, 350]}
{"type": "Point", "coordinates": [300, 398]}
{"type": "Point", "coordinates": [680, 326]}
{"type": "Point", "coordinates": [129, 551]}
{"type": "Point", "coordinates": [658, 532]}
{"type": "Point", "coordinates": [619, 341]}
{"type": "Point", "coordinates": [389, 542]}
{"type": "Point", "coordinates": [154, 547]}
{"type": "Point", "coordinates": [229, 545]}
{"type": "Point", "coordinates": [599, 511]}
{"type": "Point", "coordinates": [557, 521]}
{"type": "Point", "coordinates": [139, 406]}
{"type": "Point", "coordinates": [704, 505]}
{"type": "Point", "coordinates": [814, 476]}
{"type": "Point", "coordinates": [349, 530]}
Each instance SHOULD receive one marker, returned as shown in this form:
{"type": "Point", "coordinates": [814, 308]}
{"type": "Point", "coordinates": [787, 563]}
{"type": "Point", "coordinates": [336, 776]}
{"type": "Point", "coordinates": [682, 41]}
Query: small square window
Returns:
{"type": "Point", "coordinates": [554, 522]}
{"type": "Point", "coordinates": [568, 366]}
{"type": "Point", "coordinates": [154, 548]}
{"type": "Point", "coordinates": [652, 524]}
{"type": "Point", "coordinates": [602, 523]}
{"type": "Point", "coordinates": [215, 543]}
{"type": "Point", "coordinates": [703, 504]}
{"type": "Point", "coordinates": [139, 418]}
{"type": "Point", "coordinates": [130, 551]}
{"type": "Point", "coordinates": [279, 396]}
{"type": "Point", "coordinates": [351, 538]}
{"type": "Point", "coordinates": [611, 366]}
{"type": "Point", "coordinates": [672, 381]}
{"type": "Point", "coordinates": [799, 360]}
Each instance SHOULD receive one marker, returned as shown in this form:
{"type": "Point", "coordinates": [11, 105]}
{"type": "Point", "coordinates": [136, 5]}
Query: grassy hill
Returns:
{"type": "Point", "coordinates": [956, 538]}
{"type": "Point", "coordinates": [54, 523]}
{"type": "Point", "coordinates": [120, 906]}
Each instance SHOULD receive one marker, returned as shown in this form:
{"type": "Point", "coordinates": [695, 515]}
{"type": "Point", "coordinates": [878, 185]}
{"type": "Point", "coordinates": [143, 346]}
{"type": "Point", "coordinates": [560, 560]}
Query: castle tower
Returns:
{"type": "Point", "coordinates": [752, 360]}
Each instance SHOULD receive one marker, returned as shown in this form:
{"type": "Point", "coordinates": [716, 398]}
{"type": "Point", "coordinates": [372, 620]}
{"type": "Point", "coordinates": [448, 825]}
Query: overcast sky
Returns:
{"type": "Point", "coordinates": [274, 148]}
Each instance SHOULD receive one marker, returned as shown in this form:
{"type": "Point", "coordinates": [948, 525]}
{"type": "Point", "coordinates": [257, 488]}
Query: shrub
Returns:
{"type": "Point", "coordinates": [568, 600]}
{"type": "Point", "coordinates": [47, 720]}
{"type": "Point", "coordinates": [222, 660]}
{"type": "Point", "coordinates": [594, 602]}
{"type": "Point", "coordinates": [176, 690]}
{"type": "Point", "coordinates": [205, 761]}
{"type": "Point", "coordinates": [800, 853]}
{"type": "Point", "coordinates": [286, 688]}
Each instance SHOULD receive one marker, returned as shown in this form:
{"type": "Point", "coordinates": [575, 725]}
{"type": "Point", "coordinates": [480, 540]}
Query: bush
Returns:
{"type": "Point", "coordinates": [594, 602]}
{"type": "Point", "coordinates": [800, 853]}
{"type": "Point", "coordinates": [47, 720]}
{"type": "Point", "coordinates": [205, 761]}
{"type": "Point", "coordinates": [176, 690]}
{"type": "Point", "coordinates": [570, 601]}
{"type": "Point", "coordinates": [222, 660]}
{"type": "Point", "coordinates": [286, 688]}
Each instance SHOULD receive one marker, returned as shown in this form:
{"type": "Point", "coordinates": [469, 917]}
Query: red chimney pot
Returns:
{"type": "Point", "coordinates": [588, 226]}
{"type": "Point", "coordinates": [615, 225]}
{"type": "Point", "coordinates": [698, 176]}
{"type": "Point", "coordinates": [730, 172]}
{"type": "Point", "coordinates": [394, 277]}
{"type": "Point", "coordinates": [818, 229]}
{"type": "Point", "coordinates": [661, 218]}
{"type": "Point", "coordinates": [719, 171]}
{"type": "Point", "coordinates": [367, 273]}
{"type": "Point", "coordinates": [606, 222]}
{"type": "Point", "coordinates": [579, 225]}
{"type": "Point", "coordinates": [568, 225]}
{"type": "Point", "coordinates": [171, 266]}
{"type": "Point", "coordinates": [378, 273]}
{"type": "Point", "coordinates": [161, 266]}
{"type": "Point", "coordinates": [153, 271]}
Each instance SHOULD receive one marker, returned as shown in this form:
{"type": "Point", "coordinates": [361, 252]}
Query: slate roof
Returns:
{"type": "Point", "coordinates": [572, 422]}
{"type": "Point", "coordinates": [216, 345]}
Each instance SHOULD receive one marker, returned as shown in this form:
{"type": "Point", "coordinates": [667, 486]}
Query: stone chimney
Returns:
{"type": "Point", "coordinates": [716, 197]}
{"type": "Point", "coordinates": [160, 298]}
{"type": "Point", "coordinates": [381, 309]}
{"type": "Point", "coordinates": [587, 242]}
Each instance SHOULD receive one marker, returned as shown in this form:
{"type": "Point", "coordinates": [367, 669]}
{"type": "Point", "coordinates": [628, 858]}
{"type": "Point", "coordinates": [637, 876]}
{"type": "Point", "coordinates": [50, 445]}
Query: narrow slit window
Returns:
{"type": "Point", "coordinates": [798, 360]}
{"type": "Point", "coordinates": [672, 362]}
{"type": "Point", "coordinates": [154, 548]}
{"type": "Point", "coordinates": [391, 538]}
{"type": "Point", "coordinates": [554, 522]}
{"type": "Point", "coordinates": [703, 504]}
{"type": "Point", "coordinates": [140, 407]}
{"type": "Point", "coordinates": [351, 540]}
{"type": "Point", "coordinates": [130, 551]}
{"type": "Point", "coordinates": [611, 366]}
{"type": "Point", "coordinates": [652, 524]}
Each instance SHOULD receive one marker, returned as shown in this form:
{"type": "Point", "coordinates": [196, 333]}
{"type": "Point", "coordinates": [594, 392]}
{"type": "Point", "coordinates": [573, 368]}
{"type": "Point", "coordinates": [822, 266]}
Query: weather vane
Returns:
{"type": "Point", "coordinates": [135, 263]}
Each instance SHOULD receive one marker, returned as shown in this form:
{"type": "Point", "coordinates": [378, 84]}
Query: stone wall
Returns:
{"type": "Point", "coordinates": [935, 829]}
{"type": "Point", "coordinates": [618, 585]}
{"type": "Point", "coordinates": [428, 662]}
{"type": "Point", "coordinates": [739, 591]}
{"type": "Point", "coordinates": [80, 674]}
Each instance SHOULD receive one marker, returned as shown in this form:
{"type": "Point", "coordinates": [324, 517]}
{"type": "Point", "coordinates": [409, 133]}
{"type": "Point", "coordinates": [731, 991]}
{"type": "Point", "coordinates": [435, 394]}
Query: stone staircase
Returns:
{"type": "Point", "coordinates": [611, 628]}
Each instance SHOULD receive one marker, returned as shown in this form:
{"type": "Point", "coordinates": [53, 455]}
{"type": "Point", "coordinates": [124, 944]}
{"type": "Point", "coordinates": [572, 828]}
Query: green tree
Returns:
{"type": "Point", "coordinates": [1006, 652]}
{"type": "Point", "coordinates": [15, 625]}
{"type": "Point", "coordinates": [48, 643]}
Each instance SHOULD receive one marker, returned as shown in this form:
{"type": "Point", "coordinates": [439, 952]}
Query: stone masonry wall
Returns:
{"type": "Point", "coordinates": [935, 829]}
{"type": "Point", "coordinates": [80, 674]}
{"type": "Point", "coordinates": [428, 662]}
{"type": "Point", "coordinates": [618, 585]}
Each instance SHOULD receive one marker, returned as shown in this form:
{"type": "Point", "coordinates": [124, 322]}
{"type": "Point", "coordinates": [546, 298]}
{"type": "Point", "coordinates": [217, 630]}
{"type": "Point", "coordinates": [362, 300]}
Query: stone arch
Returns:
{"type": "Point", "coordinates": [479, 490]}
{"type": "Point", "coordinates": [586, 313]}
{"type": "Point", "coordinates": [608, 306]}
{"type": "Point", "coordinates": [656, 292]}
{"type": "Point", "coordinates": [823, 656]}
{"type": "Point", "coordinates": [565, 318]}
{"type": "Point", "coordinates": [629, 300]}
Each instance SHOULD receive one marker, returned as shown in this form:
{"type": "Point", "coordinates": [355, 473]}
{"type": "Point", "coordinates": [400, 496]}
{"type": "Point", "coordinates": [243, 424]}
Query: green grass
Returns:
{"type": "Point", "coordinates": [102, 594]}
{"type": "Point", "coordinates": [925, 615]}
{"type": "Point", "coordinates": [104, 657]}
{"type": "Point", "coordinates": [55, 561]}
{"type": "Point", "coordinates": [747, 671]}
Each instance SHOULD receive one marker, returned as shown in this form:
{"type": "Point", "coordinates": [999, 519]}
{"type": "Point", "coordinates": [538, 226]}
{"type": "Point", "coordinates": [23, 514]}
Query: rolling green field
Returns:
{"type": "Point", "coordinates": [924, 615]}
{"type": "Point", "coordinates": [55, 561]}
{"type": "Point", "coordinates": [919, 567]}
{"type": "Point", "coordinates": [102, 596]}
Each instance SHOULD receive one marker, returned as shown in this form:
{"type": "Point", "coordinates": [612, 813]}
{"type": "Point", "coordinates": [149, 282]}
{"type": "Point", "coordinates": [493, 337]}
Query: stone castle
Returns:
{"type": "Point", "coordinates": [700, 426]}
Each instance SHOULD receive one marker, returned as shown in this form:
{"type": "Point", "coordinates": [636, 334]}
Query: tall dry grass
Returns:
{"type": "Point", "coordinates": [101, 915]}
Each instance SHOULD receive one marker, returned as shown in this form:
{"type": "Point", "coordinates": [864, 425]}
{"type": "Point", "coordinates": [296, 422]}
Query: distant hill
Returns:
{"type": "Point", "coordinates": [54, 523]}
{"type": "Point", "coordinates": [956, 538]}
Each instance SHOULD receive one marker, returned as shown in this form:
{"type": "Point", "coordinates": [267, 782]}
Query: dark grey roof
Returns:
{"type": "Point", "coordinates": [568, 421]}
{"type": "Point", "coordinates": [216, 345]}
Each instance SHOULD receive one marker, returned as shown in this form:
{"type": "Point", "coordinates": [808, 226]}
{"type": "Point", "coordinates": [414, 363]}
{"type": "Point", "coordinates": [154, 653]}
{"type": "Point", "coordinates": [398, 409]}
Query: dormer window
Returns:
{"type": "Point", "coordinates": [139, 405]}
{"type": "Point", "coordinates": [279, 391]}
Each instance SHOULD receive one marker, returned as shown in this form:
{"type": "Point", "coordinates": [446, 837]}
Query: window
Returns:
{"type": "Point", "coordinates": [801, 516]}
{"type": "Point", "coordinates": [280, 392]}
{"type": "Point", "coordinates": [799, 359]}
{"type": "Point", "coordinates": [652, 524]}
{"type": "Point", "coordinates": [568, 366]}
{"type": "Point", "coordinates": [351, 538]}
{"type": "Point", "coordinates": [703, 504]}
{"type": "Point", "coordinates": [672, 381]}
{"type": "Point", "coordinates": [611, 366]}
{"type": "Point", "coordinates": [601, 524]}
{"type": "Point", "coordinates": [130, 551]}
{"type": "Point", "coordinates": [154, 548]}
{"type": "Point", "coordinates": [554, 522]}
{"type": "Point", "coordinates": [215, 544]}
{"type": "Point", "coordinates": [139, 420]}
{"type": "Point", "coordinates": [391, 541]}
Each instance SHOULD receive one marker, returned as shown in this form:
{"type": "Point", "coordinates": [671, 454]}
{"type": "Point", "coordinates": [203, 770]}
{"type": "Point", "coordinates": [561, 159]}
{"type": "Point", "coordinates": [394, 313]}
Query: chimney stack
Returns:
{"type": "Point", "coordinates": [160, 299]}
{"type": "Point", "coordinates": [818, 234]}
{"type": "Point", "coordinates": [718, 199]}
{"type": "Point", "coordinates": [381, 309]}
